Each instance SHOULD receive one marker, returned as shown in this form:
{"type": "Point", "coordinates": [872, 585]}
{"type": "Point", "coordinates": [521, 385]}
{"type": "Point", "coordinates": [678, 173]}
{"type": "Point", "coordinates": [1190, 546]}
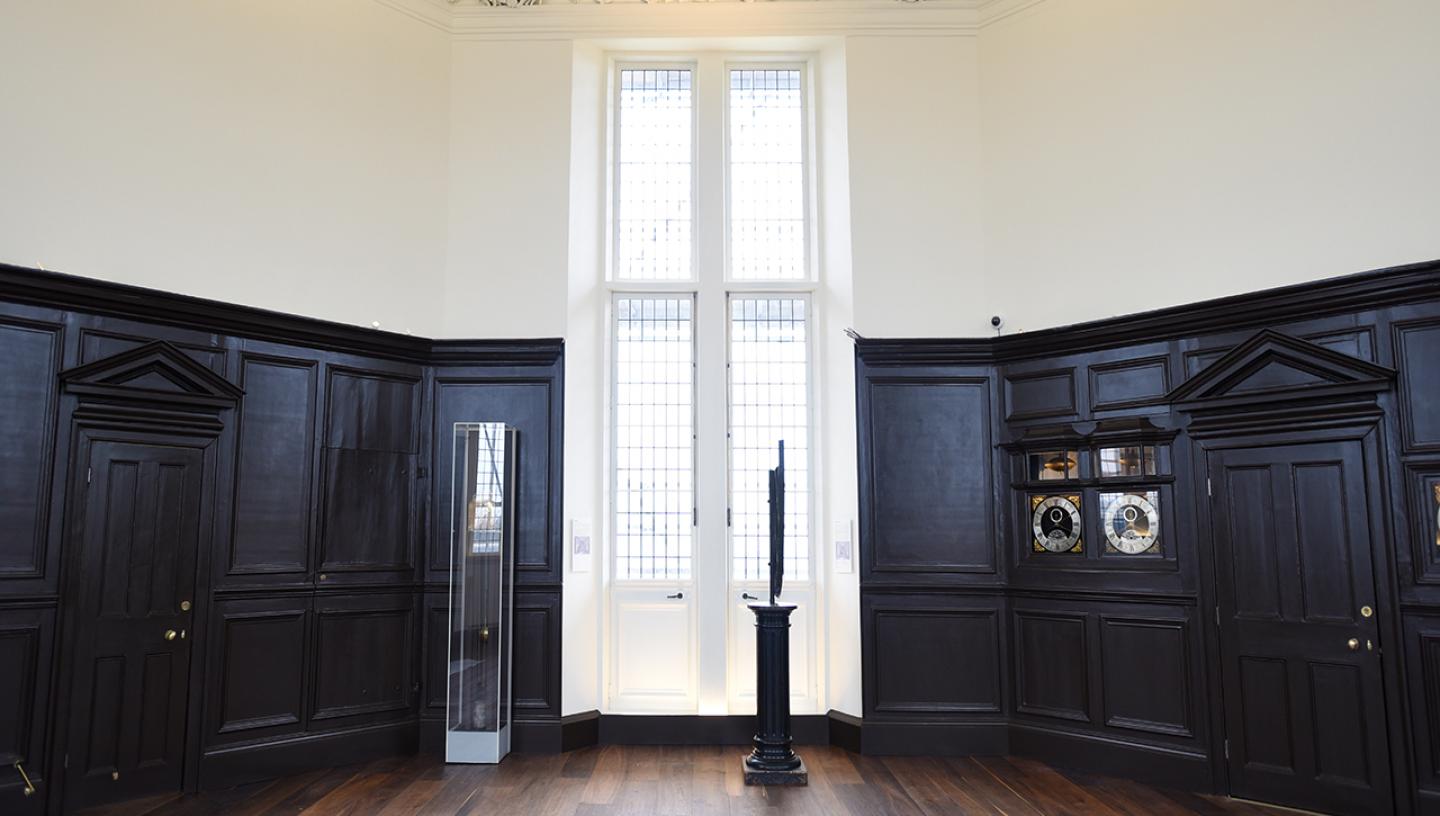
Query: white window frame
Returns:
{"type": "Point", "coordinates": [807, 85]}
{"type": "Point", "coordinates": [711, 290]}
{"type": "Point", "coordinates": [612, 230]}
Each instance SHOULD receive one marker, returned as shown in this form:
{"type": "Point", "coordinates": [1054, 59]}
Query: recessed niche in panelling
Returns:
{"type": "Point", "coordinates": [275, 453]}
{"type": "Point", "coordinates": [1038, 394]}
{"type": "Point", "coordinates": [1129, 383]}
{"type": "Point", "coordinates": [936, 661]}
{"type": "Point", "coordinates": [1145, 671]}
{"type": "Point", "coordinates": [528, 406]}
{"type": "Point", "coordinates": [1417, 348]}
{"type": "Point", "coordinates": [262, 671]}
{"type": "Point", "coordinates": [1052, 664]}
{"type": "Point", "coordinates": [930, 477]}
{"type": "Point", "coordinates": [362, 658]}
{"type": "Point", "coordinates": [27, 441]}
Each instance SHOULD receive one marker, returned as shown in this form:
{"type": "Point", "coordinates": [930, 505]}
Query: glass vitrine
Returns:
{"type": "Point", "coordinates": [482, 564]}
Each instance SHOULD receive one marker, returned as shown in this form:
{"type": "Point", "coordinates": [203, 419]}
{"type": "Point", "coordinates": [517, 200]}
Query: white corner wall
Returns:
{"type": "Point", "coordinates": [915, 186]}
{"type": "Point", "coordinates": [506, 271]}
{"type": "Point", "coordinates": [286, 155]}
{"type": "Point", "coordinates": [1146, 153]}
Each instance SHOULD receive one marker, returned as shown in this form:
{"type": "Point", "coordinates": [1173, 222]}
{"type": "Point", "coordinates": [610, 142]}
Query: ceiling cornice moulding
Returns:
{"type": "Point", "coordinates": [584, 19]}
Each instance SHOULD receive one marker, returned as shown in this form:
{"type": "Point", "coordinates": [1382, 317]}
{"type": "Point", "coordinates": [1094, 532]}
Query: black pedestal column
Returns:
{"type": "Point", "coordinates": [773, 761]}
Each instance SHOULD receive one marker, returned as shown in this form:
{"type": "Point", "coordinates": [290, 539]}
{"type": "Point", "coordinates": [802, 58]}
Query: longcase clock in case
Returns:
{"type": "Point", "coordinates": [1055, 524]}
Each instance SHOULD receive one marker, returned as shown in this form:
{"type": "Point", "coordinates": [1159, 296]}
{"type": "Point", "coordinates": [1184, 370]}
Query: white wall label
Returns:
{"type": "Point", "coordinates": [580, 546]}
{"type": "Point", "coordinates": [844, 547]}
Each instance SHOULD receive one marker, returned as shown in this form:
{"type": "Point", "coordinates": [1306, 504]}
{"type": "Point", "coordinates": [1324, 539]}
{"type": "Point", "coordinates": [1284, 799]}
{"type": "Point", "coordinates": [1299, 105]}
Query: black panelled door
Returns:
{"type": "Point", "coordinates": [1304, 703]}
{"type": "Point", "coordinates": [134, 601]}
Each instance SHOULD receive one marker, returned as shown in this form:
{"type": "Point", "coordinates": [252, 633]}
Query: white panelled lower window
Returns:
{"type": "Point", "coordinates": [711, 275]}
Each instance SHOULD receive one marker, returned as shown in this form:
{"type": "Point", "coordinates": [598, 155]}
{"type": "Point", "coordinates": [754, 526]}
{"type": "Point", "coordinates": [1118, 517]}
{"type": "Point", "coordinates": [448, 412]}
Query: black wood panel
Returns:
{"type": "Point", "coordinates": [367, 519]}
{"type": "Point", "coordinates": [933, 657]}
{"type": "Point", "coordinates": [536, 672]}
{"type": "Point", "coordinates": [436, 633]}
{"type": "Point", "coordinates": [273, 493]}
{"type": "Point", "coordinates": [97, 344]}
{"type": "Point", "coordinates": [1422, 654]}
{"type": "Point", "coordinates": [29, 361]}
{"type": "Point", "coordinates": [26, 657]}
{"type": "Point", "coordinates": [928, 478]}
{"type": "Point", "coordinates": [259, 668]}
{"type": "Point", "coordinates": [1129, 383]}
{"type": "Point", "coordinates": [364, 658]}
{"type": "Point", "coordinates": [1052, 660]}
{"type": "Point", "coordinates": [1038, 394]}
{"type": "Point", "coordinates": [527, 399]}
{"type": "Point", "coordinates": [1417, 347]}
{"type": "Point", "coordinates": [1146, 674]}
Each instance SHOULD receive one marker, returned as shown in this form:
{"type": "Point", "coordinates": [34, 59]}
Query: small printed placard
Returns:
{"type": "Point", "coordinates": [844, 547]}
{"type": "Point", "coordinates": [581, 545]}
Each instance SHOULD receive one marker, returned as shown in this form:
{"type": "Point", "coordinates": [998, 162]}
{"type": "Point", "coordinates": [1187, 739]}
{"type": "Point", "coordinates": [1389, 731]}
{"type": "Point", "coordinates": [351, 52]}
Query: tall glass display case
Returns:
{"type": "Point", "coordinates": [482, 565]}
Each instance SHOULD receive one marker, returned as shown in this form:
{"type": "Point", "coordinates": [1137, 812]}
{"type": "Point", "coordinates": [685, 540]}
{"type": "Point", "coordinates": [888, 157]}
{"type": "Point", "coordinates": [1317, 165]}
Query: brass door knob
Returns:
{"type": "Point", "coordinates": [171, 634]}
{"type": "Point", "coordinates": [1353, 643]}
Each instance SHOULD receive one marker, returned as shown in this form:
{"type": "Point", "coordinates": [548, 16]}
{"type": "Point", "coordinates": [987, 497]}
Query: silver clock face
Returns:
{"type": "Point", "coordinates": [1132, 523]}
{"type": "Point", "coordinates": [1056, 524]}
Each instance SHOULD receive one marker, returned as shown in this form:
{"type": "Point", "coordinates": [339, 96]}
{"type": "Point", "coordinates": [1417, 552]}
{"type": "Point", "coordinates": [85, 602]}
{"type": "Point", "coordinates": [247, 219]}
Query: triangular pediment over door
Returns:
{"type": "Point", "coordinates": [1277, 374]}
{"type": "Point", "coordinates": [156, 372]}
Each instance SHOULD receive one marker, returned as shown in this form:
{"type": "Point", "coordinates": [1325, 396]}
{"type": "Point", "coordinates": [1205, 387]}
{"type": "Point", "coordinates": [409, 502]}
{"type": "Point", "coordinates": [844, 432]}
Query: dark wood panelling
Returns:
{"type": "Point", "coordinates": [364, 657]}
{"type": "Point", "coordinates": [259, 678]}
{"type": "Point", "coordinates": [1051, 665]}
{"type": "Point", "coordinates": [1422, 654]}
{"type": "Point", "coordinates": [369, 478]}
{"type": "Point", "coordinates": [367, 522]}
{"type": "Point", "coordinates": [28, 364]}
{"type": "Point", "coordinates": [371, 411]}
{"type": "Point", "coordinates": [1037, 394]}
{"type": "Point", "coordinates": [928, 499]}
{"type": "Point", "coordinates": [1145, 674]}
{"type": "Point", "coordinates": [320, 465]}
{"type": "Point", "coordinates": [436, 634]}
{"type": "Point", "coordinates": [527, 400]}
{"type": "Point", "coordinates": [536, 673]}
{"type": "Point", "coordinates": [1417, 347]}
{"type": "Point", "coordinates": [1129, 383]}
{"type": "Point", "coordinates": [97, 344]}
{"type": "Point", "coordinates": [932, 657]}
{"type": "Point", "coordinates": [1422, 495]}
{"type": "Point", "coordinates": [275, 467]}
{"type": "Point", "coordinates": [26, 641]}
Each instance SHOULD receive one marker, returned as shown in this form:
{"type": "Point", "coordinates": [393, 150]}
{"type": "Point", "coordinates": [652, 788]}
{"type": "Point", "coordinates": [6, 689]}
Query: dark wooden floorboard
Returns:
{"type": "Point", "coordinates": [663, 780]}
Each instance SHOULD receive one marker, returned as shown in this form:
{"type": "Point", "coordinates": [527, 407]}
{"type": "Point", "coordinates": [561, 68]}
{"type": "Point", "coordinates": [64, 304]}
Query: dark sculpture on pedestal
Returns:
{"type": "Point", "coordinates": [773, 761]}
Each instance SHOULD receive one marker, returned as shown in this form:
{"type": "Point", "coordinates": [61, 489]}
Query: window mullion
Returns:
{"type": "Point", "coordinates": [712, 567]}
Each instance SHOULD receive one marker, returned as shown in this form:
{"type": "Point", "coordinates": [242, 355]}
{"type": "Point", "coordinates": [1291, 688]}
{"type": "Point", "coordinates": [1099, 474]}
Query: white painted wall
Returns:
{"type": "Point", "coordinates": [286, 155]}
{"type": "Point", "coordinates": [506, 271]}
{"type": "Point", "coordinates": [915, 186]}
{"type": "Point", "coordinates": [1145, 153]}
